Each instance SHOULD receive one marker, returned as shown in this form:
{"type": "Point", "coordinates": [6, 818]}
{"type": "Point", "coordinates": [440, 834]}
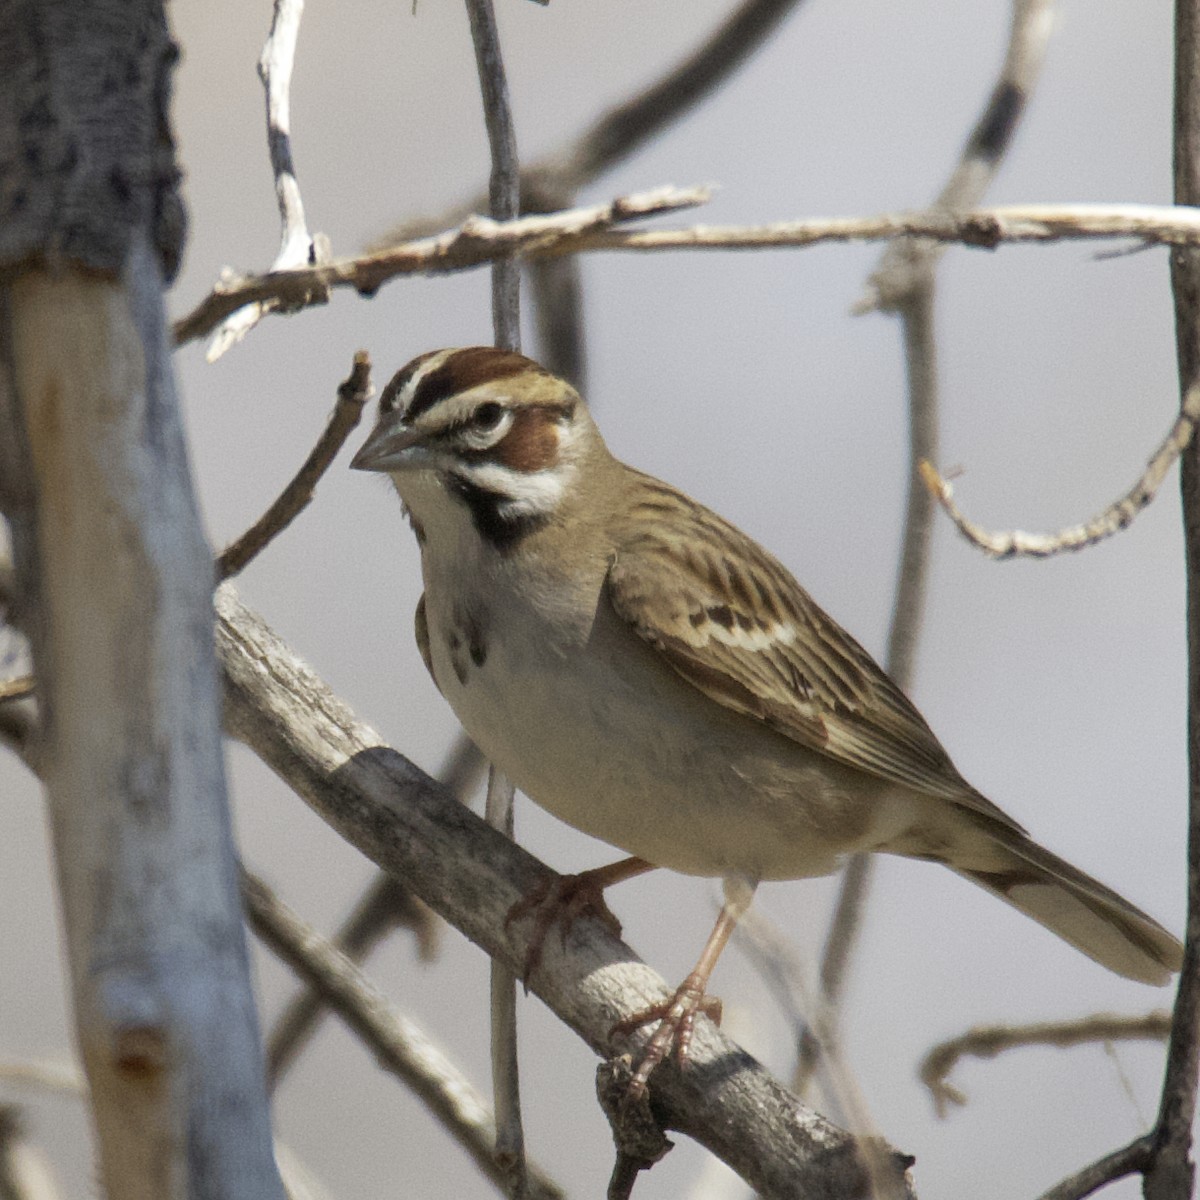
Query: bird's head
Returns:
{"type": "Point", "coordinates": [482, 432]}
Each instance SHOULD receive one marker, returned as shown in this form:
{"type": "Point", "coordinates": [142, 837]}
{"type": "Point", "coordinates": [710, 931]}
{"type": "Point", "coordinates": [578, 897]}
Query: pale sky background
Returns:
{"type": "Point", "coordinates": [1058, 687]}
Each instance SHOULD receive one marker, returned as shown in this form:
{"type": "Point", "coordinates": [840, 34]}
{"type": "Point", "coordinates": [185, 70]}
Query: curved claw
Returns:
{"type": "Point", "coordinates": [561, 900]}
{"type": "Point", "coordinates": [676, 1019]}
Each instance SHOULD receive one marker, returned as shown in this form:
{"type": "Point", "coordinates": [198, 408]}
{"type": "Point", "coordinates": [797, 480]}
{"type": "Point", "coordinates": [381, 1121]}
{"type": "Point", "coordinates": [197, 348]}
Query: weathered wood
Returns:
{"type": "Point", "coordinates": [472, 875]}
{"type": "Point", "coordinates": [113, 582]}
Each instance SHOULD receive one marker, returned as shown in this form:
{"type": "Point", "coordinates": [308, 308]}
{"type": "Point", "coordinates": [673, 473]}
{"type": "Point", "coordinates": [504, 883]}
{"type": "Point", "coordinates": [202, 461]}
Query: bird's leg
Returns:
{"type": "Point", "coordinates": [676, 1017]}
{"type": "Point", "coordinates": [565, 898]}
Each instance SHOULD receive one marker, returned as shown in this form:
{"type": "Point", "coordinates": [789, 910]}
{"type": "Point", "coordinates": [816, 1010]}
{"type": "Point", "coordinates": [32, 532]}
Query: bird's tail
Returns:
{"type": "Point", "coordinates": [1081, 910]}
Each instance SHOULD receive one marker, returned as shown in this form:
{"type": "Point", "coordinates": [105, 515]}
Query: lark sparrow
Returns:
{"type": "Point", "coordinates": [650, 675]}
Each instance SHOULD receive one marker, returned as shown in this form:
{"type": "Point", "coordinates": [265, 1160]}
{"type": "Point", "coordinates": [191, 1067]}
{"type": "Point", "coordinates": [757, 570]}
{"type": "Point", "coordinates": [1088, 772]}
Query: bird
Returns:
{"type": "Point", "coordinates": [649, 674]}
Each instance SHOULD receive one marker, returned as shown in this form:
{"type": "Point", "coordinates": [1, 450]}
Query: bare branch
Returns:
{"type": "Point", "coordinates": [296, 245]}
{"type": "Point", "coordinates": [384, 904]}
{"type": "Point", "coordinates": [506, 1077]}
{"type": "Point", "coordinates": [57, 1078]}
{"type": "Point", "coordinates": [504, 204]}
{"type": "Point", "coordinates": [395, 1041]}
{"type": "Point", "coordinates": [352, 394]}
{"type": "Point", "coordinates": [17, 688]}
{"type": "Point", "coordinates": [628, 126]}
{"type": "Point", "coordinates": [113, 573]}
{"type": "Point", "coordinates": [472, 875]}
{"type": "Point", "coordinates": [905, 265]}
{"type": "Point", "coordinates": [553, 182]}
{"type": "Point", "coordinates": [987, 1041]}
{"type": "Point", "coordinates": [478, 241]}
{"type": "Point", "coordinates": [1171, 1174]}
{"type": "Point", "coordinates": [504, 188]}
{"type": "Point", "coordinates": [556, 285]}
{"type": "Point", "coordinates": [1117, 516]}
{"type": "Point", "coordinates": [24, 1172]}
{"type": "Point", "coordinates": [1129, 1160]}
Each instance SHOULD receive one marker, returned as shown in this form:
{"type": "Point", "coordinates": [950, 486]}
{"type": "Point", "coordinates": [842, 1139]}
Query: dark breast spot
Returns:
{"type": "Point", "coordinates": [467, 643]}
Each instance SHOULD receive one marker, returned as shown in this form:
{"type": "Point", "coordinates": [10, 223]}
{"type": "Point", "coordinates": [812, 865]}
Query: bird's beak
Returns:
{"type": "Point", "coordinates": [387, 448]}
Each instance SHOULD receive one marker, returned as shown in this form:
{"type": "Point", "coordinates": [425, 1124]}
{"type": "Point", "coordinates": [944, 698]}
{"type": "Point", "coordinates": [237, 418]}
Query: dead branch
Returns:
{"type": "Point", "coordinates": [352, 394]}
{"type": "Point", "coordinates": [296, 245]}
{"type": "Point", "coordinates": [504, 204]}
{"type": "Point", "coordinates": [988, 1041]}
{"type": "Point", "coordinates": [1117, 516]}
{"type": "Point", "coordinates": [396, 1041]}
{"type": "Point", "coordinates": [384, 904]}
{"type": "Point", "coordinates": [479, 241]}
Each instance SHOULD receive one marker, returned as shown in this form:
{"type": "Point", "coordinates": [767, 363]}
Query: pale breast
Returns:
{"type": "Point", "coordinates": [587, 721]}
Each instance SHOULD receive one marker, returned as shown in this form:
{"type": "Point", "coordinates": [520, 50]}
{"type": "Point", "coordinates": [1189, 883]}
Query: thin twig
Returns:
{"type": "Point", "coordinates": [25, 1173]}
{"type": "Point", "coordinates": [1117, 516]}
{"type": "Point", "coordinates": [17, 688]}
{"type": "Point", "coordinates": [479, 240]}
{"type": "Point", "coordinates": [504, 203]}
{"type": "Point", "coordinates": [1129, 1160]}
{"type": "Point", "coordinates": [553, 182]}
{"type": "Point", "coordinates": [904, 284]}
{"type": "Point", "coordinates": [384, 904]}
{"type": "Point", "coordinates": [46, 1075]}
{"type": "Point", "coordinates": [556, 288]}
{"type": "Point", "coordinates": [1171, 1174]}
{"type": "Point", "coordinates": [396, 1042]}
{"type": "Point", "coordinates": [352, 394]}
{"type": "Point", "coordinates": [506, 1076]}
{"type": "Point", "coordinates": [504, 188]}
{"type": "Point", "coordinates": [987, 1041]}
{"type": "Point", "coordinates": [905, 265]}
{"type": "Point", "coordinates": [296, 244]}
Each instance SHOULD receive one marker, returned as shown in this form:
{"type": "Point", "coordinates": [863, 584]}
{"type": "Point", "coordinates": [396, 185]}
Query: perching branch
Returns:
{"type": "Point", "coordinates": [296, 245]}
{"type": "Point", "coordinates": [987, 1041]}
{"type": "Point", "coordinates": [383, 905]}
{"type": "Point", "coordinates": [478, 241]}
{"type": "Point", "coordinates": [1117, 516]}
{"type": "Point", "coordinates": [394, 1040]}
{"type": "Point", "coordinates": [472, 875]}
{"type": "Point", "coordinates": [352, 394]}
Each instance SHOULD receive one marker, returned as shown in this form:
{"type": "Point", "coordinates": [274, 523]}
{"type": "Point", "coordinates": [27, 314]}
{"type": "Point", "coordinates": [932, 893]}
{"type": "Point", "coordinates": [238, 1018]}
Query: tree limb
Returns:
{"type": "Point", "coordinates": [987, 1041]}
{"type": "Point", "coordinates": [472, 875]}
{"type": "Point", "coordinates": [479, 241]}
{"type": "Point", "coordinates": [394, 1039]}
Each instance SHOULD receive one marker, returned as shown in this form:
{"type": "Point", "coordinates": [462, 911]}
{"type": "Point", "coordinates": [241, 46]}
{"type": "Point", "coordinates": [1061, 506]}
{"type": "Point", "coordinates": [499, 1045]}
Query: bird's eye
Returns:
{"type": "Point", "coordinates": [487, 416]}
